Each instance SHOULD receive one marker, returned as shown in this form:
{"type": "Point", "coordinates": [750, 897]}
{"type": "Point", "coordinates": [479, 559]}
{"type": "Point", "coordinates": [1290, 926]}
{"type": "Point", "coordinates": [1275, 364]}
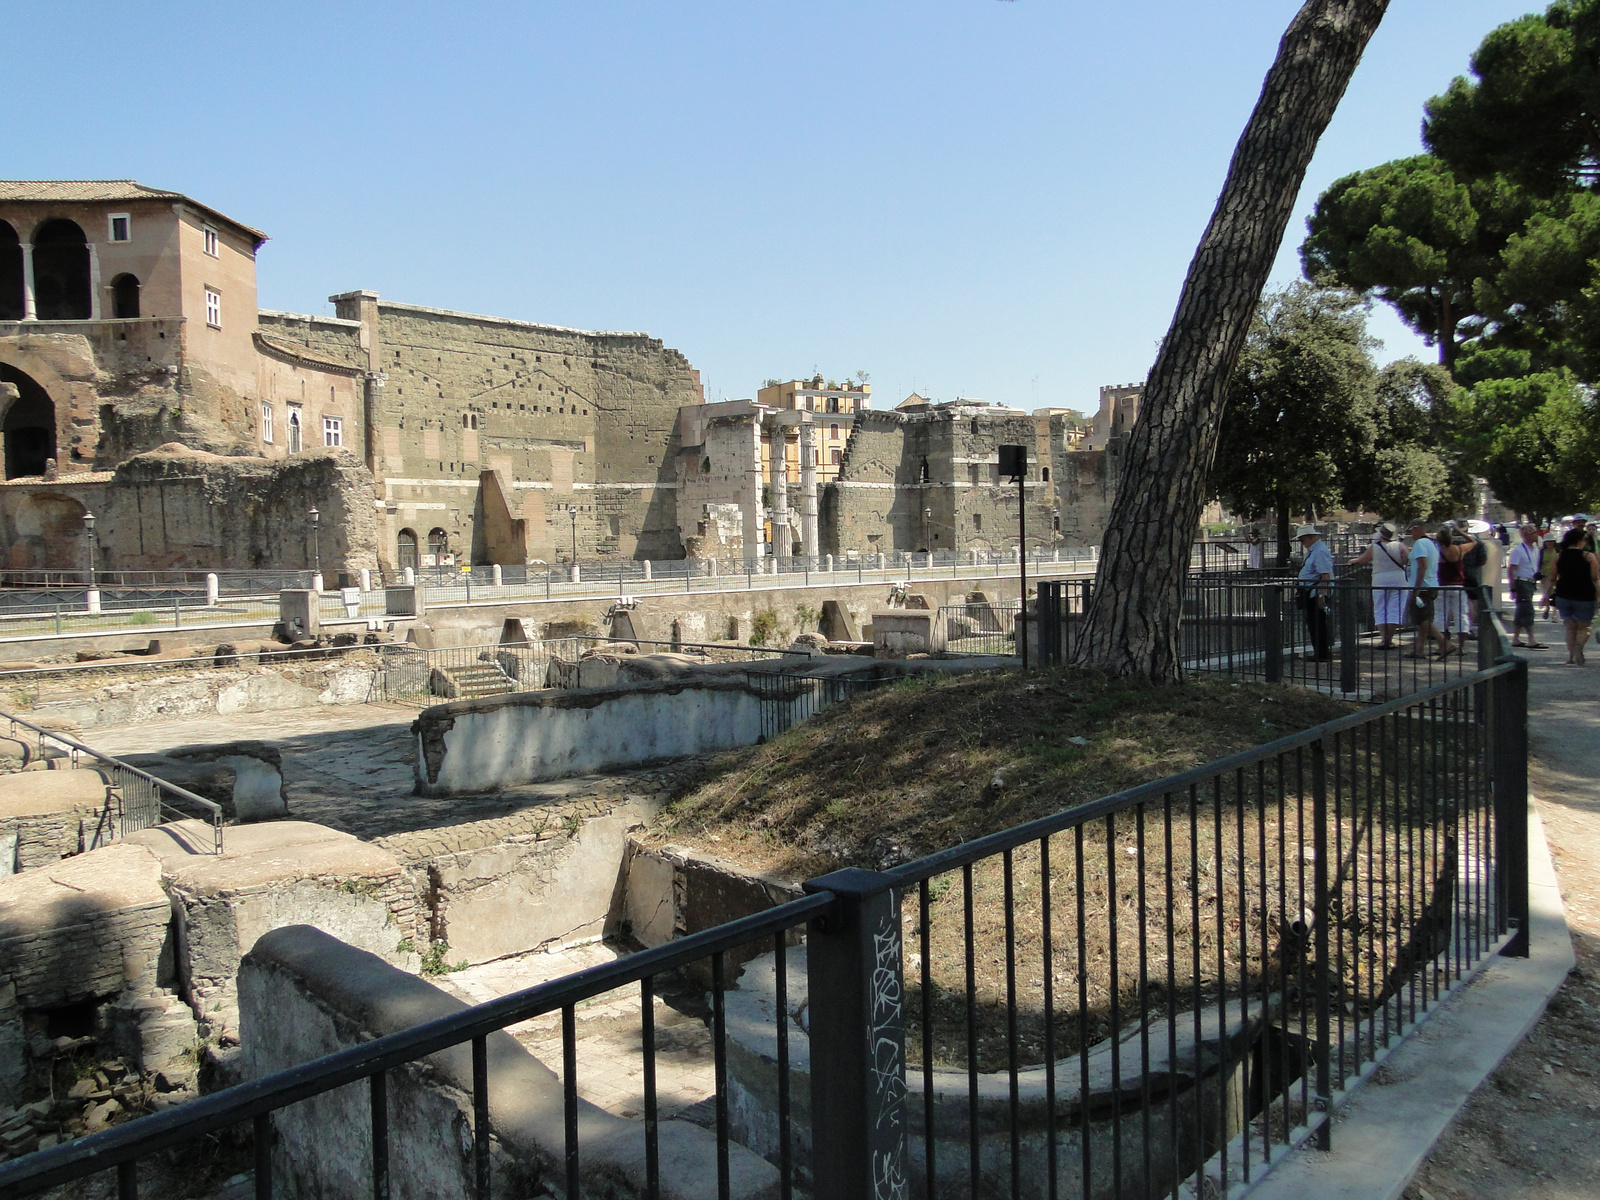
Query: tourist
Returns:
{"type": "Point", "coordinates": [1316, 580]}
{"type": "Point", "coordinates": [1452, 607]}
{"type": "Point", "coordinates": [1387, 557]}
{"type": "Point", "coordinates": [1547, 568]}
{"type": "Point", "coordinates": [1253, 550]}
{"type": "Point", "coordinates": [1422, 577]}
{"type": "Point", "coordinates": [1577, 583]}
{"type": "Point", "coordinates": [1524, 571]}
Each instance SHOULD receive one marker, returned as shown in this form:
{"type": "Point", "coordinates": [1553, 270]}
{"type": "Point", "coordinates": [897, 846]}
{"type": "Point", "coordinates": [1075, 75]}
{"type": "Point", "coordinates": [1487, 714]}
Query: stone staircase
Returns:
{"type": "Point", "coordinates": [471, 682]}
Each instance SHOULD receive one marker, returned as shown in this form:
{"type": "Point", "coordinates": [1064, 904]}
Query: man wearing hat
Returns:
{"type": "Point", "coordinates": [1316, 578]}
{"type": "Point", "coordinates": [1422, 576]}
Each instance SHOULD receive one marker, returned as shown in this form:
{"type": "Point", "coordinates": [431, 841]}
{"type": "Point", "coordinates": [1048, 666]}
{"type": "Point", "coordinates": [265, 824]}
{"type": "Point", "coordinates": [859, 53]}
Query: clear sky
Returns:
{"type": "Point", "coordinates": [985, 198]}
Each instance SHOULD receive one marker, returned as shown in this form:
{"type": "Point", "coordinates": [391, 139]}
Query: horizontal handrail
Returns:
{"type": "Point", "coordinates": [210, 806]}
{"type": "Point", "coordinates": [180, 1125]}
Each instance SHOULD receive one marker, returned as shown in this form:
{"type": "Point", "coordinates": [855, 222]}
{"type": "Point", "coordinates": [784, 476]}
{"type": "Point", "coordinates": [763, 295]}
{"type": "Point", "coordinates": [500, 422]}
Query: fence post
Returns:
{"type": "Point", "coordinates": [1322, 915]}
{"type": "Point", "coordinates": [1349, 642]}
{"type": "Point", "coordinates": [1488, 635]}
{"type": "Point", "coordinates": [1272, 631]}
{"type": "Point", "coordinates": [213, 590]}
{"type": "Point", "coordinates": [858, 1069]}
{"type": "Point", "coordinates": [176, 615]}
{"type": "Point", "coordinates": [1510, 767]}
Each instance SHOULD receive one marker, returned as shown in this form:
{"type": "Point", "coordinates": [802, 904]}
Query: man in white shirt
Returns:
{"type": "Point", "coordinates": [1522, 566]}
{"type": "Point", "coordinates": [1422, 577]}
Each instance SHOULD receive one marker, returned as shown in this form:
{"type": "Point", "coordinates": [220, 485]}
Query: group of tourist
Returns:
{"type": "Point", "coordinates": [1425, 584]}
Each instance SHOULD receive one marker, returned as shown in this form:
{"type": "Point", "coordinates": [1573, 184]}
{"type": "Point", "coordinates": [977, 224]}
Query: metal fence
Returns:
{"type": "Point", "coordinates": [140, 799]}
{"type": "Point", "coordinates": [1263, 630]}
{"type": "Point", "coordinates": [787, 700]}
{"type": "Point", "coordinates": [1154, 994]}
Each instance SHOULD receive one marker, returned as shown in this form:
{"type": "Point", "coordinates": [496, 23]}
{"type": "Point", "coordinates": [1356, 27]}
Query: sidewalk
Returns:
{"type": "Point", "coordinates": [1496, 1095]}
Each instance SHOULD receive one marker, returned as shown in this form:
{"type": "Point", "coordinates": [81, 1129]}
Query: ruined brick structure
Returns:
{"type": "Point", "coordinates": [129, 327]}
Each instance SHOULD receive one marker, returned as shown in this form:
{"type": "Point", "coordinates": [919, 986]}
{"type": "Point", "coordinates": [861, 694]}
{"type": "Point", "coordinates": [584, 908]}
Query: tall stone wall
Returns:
{"type": "Point", "coordinates": [573, 420]}
{"type": "Point", "coordinates": [176, 507]}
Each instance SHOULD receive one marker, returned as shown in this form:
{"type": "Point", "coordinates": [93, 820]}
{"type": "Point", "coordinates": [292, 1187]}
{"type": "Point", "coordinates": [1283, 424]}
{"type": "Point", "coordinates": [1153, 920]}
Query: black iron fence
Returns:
{"type": "Point", "coordinates": [1268, 630]}
{"type": "Point", "coordinates": [1154, 994]}
{"type": "Point", "coordinates": [787, 700]}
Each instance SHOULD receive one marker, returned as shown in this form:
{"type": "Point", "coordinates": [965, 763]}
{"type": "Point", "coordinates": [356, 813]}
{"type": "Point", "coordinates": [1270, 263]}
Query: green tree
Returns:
{"type": "Point", "coordinates": [1418, 238]}
{"type": "Point", "coordinates": [1302, 407]}
{"type": "Point", "coordinates": [1533, 438]}
{"type": "Point", "coordinates": [1415, 467]}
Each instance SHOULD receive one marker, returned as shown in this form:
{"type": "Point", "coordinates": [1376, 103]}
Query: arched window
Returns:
{"type": "Point", "coordinates": [29, 426]}
{"type": "Point", "coordinates": [294, 430]}
{"type": "Point", "coordinates": [1044, 475]}
{"type": "Point", "coordinates": [408, 549]}
{"type": "Point", "coordinates": [61, 272]}
{"type": "Point", "coordinates": [438, 543]}
{"type": "Point", "coordinates": [10, 274]}
{"type": "Point", "coordinates": [124, 297]}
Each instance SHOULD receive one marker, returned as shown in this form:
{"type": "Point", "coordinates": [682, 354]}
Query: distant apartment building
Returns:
{"type": "Point", "coordinates": [834, 408]}
{"type": "Point", "coordinates": [1119, 409]}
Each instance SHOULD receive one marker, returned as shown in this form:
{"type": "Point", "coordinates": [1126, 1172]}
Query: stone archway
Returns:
{"type": "Point", "coordinates": [29, 425]}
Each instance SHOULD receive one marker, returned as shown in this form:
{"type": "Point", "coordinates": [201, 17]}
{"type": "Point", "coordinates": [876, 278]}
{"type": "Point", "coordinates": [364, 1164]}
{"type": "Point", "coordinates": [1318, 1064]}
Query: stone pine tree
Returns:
{"type": "Point", "coordinates": [1131, 628]}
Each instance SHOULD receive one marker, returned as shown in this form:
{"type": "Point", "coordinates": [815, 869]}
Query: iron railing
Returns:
{"type": "Point", "coordinates": [142, 800]}
{"type": "Point", "coordinates": [1262, 630]}
{"type": "Point", "coordinates": [788, 700]}
{"type": "Point", "coordinates": [1154, 994]}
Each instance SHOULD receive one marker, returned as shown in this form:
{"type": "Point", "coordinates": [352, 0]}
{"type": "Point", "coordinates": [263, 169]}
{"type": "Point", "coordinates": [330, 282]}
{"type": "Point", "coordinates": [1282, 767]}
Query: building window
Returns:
{"type": "Point", "coordinates": [294, 429]}
{"type": "Point", "coordinates": [332, 431]}
{"type": "Point", "coordinates": [214, 308]}
{"type": "Point", "coordinates": [266, 423]}
{"type": "Point", "coordinates": [1056, 524]}
{"type": "Point", "coordinates": [833, 432]}
{"type": "Point", "coordinates": [210, 236]}
{"type": "Point", "coordinates": [833, 456]}
{"type": "Point", "coordinates": [977, 522]}
{"type": "Point", "coordinates": [120, 226]}
{"type": "Point", "coordinates": [125, 297]}
{"type": "Point", "coordinates": [833, 404]}
{"type": "Point", "coordinates": [469, 420]}
{"type": "Point", "coordinates": [407, 544]}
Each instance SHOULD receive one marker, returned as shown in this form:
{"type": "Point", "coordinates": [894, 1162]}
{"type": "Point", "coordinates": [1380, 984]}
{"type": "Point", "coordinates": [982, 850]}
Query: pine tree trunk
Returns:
{"type": "Point", "coordinates": [1131, 627]}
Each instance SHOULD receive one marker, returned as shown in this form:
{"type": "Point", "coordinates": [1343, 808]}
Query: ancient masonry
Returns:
{"type": "Point", "coordinates": [140, 382]}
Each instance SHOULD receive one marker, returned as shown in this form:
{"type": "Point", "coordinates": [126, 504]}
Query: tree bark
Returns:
{"type": "Point", "coordinates": [1131, 628]}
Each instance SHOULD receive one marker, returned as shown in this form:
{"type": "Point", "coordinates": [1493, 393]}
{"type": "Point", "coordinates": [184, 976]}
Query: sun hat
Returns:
{"type": "Point", "coordinates": [1307, 531]}
{"type": "Point", "coordinates": [1386, 529]}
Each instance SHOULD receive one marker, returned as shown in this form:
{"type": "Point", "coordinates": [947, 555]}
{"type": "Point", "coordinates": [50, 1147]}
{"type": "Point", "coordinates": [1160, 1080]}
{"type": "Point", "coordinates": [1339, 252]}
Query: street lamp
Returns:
{"type": "Point", "coordinates": [572, 511]}
{"type": "Point", "coordinates": [316, 539]}
{"type": "Point", "coordinates": [88, 532]}
{"type": "Point", "coordinates": [927, 532]}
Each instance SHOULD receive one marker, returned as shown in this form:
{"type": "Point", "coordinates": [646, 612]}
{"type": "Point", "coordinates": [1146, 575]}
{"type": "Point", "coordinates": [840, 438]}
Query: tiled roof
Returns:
{"type": "Point", "coordinates": [103, 190]}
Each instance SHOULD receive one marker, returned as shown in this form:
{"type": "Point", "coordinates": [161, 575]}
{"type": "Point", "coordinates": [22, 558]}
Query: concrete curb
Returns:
{"type": "Point", "coordinates": [1384, 1133]}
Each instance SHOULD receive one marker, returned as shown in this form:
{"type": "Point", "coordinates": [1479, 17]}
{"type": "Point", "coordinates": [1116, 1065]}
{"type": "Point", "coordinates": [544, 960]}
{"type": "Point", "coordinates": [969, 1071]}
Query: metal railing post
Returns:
{"type": "Point", "coordinates": [1321, 909]}
{"type": "Point", "coordinates": [1349, 642]}
{"type": "Point", "coordinates": [1510, 767]}
{"type": "Point", "coordinates": [858, 1069]}
{"type": "Point", "coordinates": [1272, 632]}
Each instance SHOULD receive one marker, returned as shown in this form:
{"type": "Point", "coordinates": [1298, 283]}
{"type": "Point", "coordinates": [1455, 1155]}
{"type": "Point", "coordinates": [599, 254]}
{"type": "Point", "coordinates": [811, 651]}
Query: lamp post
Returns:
{"type": "Point", "coordinates": [316, 542]}
{"type": "Point", "coordinates": [92, 598]}
{"type": "Point", "coordinates": [927, 532]}
{"type": "Point", "coordinates": [572, 511]}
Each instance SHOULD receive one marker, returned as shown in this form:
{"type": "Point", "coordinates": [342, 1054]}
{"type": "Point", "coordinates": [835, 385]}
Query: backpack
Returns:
{"type": "Point", "coordinates": [1473, 561]}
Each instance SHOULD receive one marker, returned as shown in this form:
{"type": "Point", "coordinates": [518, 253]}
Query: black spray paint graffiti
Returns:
{"type": "Point", "coordinates": [889, 1176]}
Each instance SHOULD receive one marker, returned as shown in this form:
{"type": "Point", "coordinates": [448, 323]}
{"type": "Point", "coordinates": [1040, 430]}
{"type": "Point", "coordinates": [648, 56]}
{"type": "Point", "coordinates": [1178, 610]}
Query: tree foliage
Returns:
{"type": "Point", "coordinates": [1312, 424]}
{"type": "Point", "coordinates": [1489, 246]}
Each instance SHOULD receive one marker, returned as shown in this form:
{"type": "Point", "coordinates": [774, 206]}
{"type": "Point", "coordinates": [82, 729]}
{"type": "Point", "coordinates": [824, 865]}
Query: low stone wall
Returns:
{"type": "Point", "coordinates": [53, 814]}
{"type": "Point", "coordinates": [511, 884]}
{"type": "Point", "coordinates": [305, 994]}
{"type": "Point", "coordinates": [273, 874]}
{"type": "Point", "coordinates": [483, 745]}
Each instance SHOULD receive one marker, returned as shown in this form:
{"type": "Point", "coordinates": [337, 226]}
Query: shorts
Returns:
{"type": "Point", "coordinates": [1579, 612]}
{"type": "Point", "coordinates": [1389, 605]}
{"type": "Point", "coordinates": [1421, 608]}
{"type": "Point", "coordinates": [1455, 611]}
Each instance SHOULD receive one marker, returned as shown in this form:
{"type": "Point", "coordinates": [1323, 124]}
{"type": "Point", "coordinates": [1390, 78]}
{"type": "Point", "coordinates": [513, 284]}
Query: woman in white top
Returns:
{"type": "Point", "coordinates": [1387, 558]}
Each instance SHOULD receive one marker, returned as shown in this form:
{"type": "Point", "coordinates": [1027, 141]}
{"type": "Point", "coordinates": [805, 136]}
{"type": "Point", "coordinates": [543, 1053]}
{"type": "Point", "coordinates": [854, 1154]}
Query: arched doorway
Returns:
{"type": "Point", "coordinates": [29, 425]}
{"type": "Point", "coordinates": [438, 547]}
{"type": "Point", "coordinates": [408, 549]}
{"type": "Point", "coordinates": [11, 308]}
{"type": "Point", "coordinates": [125, 297]}
{"type": "Point", "coordinates": [61, 272]}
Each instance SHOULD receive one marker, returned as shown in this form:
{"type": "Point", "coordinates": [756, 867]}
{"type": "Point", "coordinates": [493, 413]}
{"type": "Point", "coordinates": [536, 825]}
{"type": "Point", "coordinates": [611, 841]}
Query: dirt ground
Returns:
{"type": "Point", "coordinates": [1529, 1131]}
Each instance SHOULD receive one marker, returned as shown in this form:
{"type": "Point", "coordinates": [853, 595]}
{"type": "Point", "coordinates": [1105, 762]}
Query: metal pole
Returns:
{"type": "Point", "coordinates": [1321, 915]}
{"type": "Point", "coordinates": [1022, 563]}
{"type": "Point", "coordinates": [1511, 803]}
{"type": "Point", "coordinates": [858, 1091]}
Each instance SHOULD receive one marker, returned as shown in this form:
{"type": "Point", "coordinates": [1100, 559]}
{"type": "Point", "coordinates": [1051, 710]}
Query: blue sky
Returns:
{"type": "Point", "coordinates": [992, 198]}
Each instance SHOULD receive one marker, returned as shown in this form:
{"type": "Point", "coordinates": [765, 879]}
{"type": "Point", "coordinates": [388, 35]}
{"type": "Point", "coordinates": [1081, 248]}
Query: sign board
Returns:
{"type": "Point", "coordinates": [1013, 462]}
